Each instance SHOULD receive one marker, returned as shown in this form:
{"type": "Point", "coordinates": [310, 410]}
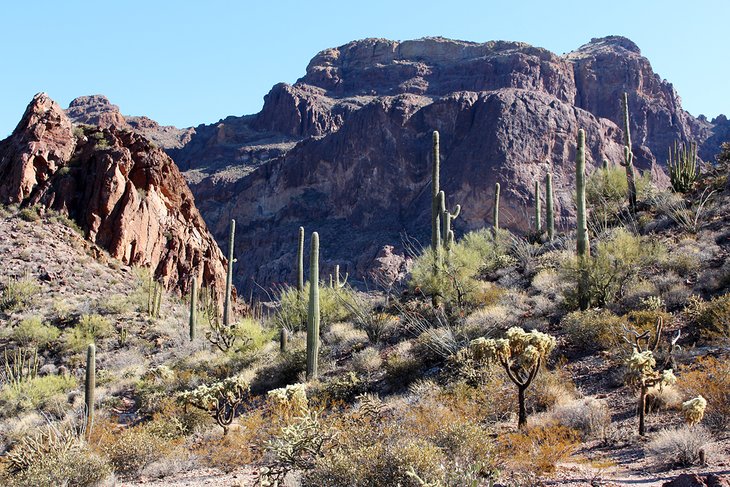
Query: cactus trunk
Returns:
{"type": "Point", "coordinates": [300, 264]}
{"type": "Point", "coordinates": [495, 211]}
{"type": "Point", "coordinates": [229, 276]}
{"type": "Point", "coordinates": [549, 203]}
{"type": "Point", "coordinates": [629, 156]}
{"type": "Point", "coordinates": [538, 209]}
{"type": "Point", "coordinates": [583, 247]}
{"type": "Point", "coordinates": [193, 307]}
{"type": "Point", "coordinates": [283, 340]}
{"type": "Point", "coordinates": [313, 315]}
{"type": "Point", "coordinates": [90, 386]}
{"type": "Point", "coordinates": [435, 188]}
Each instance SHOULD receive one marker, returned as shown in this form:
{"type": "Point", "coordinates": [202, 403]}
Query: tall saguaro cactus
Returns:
{"type": "Point", "coordinates": [538, 209]}
{"type": "Point", "coordinates": [628, 161]}
{"type": "Point", "coordinates": [300, 264]}
{"type": "Point", "coordinates": [193, 307]}
{"type": "Point", "coordinates": [495, 210]}
{"type": "Point", "coordinates": [435, 188]}
{"type": "Point", "coordinates": [550, 211]}
{"type": "Point", "coordinates": [90, 386]}
{"type": "Point", "coordinates": [313, 315]}
{"type": "Point", "coordinates": [581, 230]}
{"type": "Point", "coordinates": [229, 277]}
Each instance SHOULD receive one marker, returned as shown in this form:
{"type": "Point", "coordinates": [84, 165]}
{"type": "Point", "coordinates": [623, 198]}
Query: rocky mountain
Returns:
{"type": "Point", "coordinates": [125, 194]}
{"type": "Point", "coordinates": [346, 149]}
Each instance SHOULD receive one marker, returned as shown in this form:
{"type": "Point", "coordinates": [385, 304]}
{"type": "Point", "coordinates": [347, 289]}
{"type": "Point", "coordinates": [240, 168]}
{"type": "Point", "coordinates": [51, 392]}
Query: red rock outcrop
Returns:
{"type": "Point", "coordinates": [127, 196]}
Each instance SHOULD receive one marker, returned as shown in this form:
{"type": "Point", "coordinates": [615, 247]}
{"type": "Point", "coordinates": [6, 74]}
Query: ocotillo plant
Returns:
{"type": "Point", "coordinates": [495, 210]}
{"type": "Point", "coordinates": [682, 165]}
{"type": "Point", "coordinates": [193, 307]}
{"type": "Point", "coordinates": [229, 277]}
{"type": "Point", "coordinates": [90, 386]}
{"type": "Point", "coordinates": [550, 211]}
{"type": "Point", "coordinates": [521, 355]}
{"type": "Point", "coordinates": [538, 209]}
{"type": "Point", "coordinates": [628, 161]}
{"type": "Point", "coordinates": [313, 315]}
{"type": "Point", "coordinates": [300, 264]}
{"type": "Point", "coordinates": [581, 230]}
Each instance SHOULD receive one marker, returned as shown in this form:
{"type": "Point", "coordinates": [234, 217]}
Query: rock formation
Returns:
{"type": "Point", "coordinates": [346, 149]}
{"type": "Point", "coordinates": [127, 196]}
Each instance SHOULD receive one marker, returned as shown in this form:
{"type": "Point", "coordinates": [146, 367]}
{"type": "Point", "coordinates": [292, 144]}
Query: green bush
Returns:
{"type": "Point", "coordinates": [17, 294]}
{"type": "Point", "coordinates": [334, 306]}
{"type": "Point", "coordinates": [33, 332]}
{"type": "Point", "coordinates": [252, 336]}
{"type": "Point", "coordinates": [29, 214]}
{"type": "Point", "coordinates": [90, 328]}
{"type": "Point", "coordinates": [713, 318]}
{"type": "Point", "coordinates": [35, 393]}
{"type": "Point", "coordinates": [607, 194]}
{"type": "Point", "coordinates": [618, 260]}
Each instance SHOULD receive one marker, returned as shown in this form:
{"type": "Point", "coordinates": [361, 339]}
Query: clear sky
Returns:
{"type": "Point", "coordinates": [184, 63]}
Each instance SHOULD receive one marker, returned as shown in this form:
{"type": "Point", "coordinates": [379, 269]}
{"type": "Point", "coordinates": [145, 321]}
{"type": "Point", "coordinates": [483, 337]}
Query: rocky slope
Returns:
{"type": "Point", "coordinates": [346, 149]}
{"type": "Point", "coordinates": [127, 196]}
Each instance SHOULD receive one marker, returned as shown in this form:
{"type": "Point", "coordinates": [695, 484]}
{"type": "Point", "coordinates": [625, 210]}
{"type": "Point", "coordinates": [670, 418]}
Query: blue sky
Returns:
{"type": "Point", "coordinates": [184, 63]}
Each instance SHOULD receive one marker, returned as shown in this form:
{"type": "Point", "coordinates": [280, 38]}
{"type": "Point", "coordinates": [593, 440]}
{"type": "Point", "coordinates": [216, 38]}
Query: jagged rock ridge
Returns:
{"type": "Point", "coordinates": [128, 196]}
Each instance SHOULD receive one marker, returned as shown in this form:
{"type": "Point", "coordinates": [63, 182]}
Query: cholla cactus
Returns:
{"type": "Point", "coordinates": [521, 354]}
{"type": "Point", "coordinates": [290, 401]}
{"type": "Point", "coordinates": [220, 399]}
{"type": "Point", "coordinates": [694, 410]}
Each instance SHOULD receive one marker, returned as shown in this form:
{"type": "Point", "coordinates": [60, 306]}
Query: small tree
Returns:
{"type": "Point", "coordinates": [220, 399]}
{"type": "Point", "coordinates": [521, 354]}
{"type": "Point", "coordinates": [642, 372]}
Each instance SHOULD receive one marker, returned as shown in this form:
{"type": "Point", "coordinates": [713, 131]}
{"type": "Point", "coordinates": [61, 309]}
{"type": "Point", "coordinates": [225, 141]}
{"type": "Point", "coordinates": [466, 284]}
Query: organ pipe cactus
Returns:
{"type": "Point", "coordinates": [628, 161]}
{"type": "Point", "coordinates": [229, 277]}
{"type": "Point", "coordinates": [521, 354]}
{"type": "Point", "coordinates": [538, 209]}
{"type": "Point", "coordinates": [550, 210]}
{"type": "Point", "coordinates": [583, 247]}
{"type": "Point", "coordinates": [300, 264]}
{"type": "Point", "coordinates": [90, 387]}
{"type": "Point", "coordinates": [313, 314]}
{"type": "Point", "coordinates": [193, 308]}
{"type": "Point", "coordinates": [682, 165]}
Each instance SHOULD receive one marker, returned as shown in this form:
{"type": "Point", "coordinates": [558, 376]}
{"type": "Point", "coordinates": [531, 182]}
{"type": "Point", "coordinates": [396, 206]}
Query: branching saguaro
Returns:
{"type": "Point", "coordinates": [628, 161]}
{"type": "Point", "coordinates": [642, 371]}
{"type": "Point", "coordinates": [521, 354]}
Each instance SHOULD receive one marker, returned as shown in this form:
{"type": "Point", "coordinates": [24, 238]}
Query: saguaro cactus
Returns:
{"type": "Point", "coordinates": [340, 283]}
{"type": "Point", "coordinates": [538, 209]}
{"type": "Point", "coordinates": [90, 386]}
{"type": "Point", "coordinates": [229, 277]}
{"type": "Point", "coordinates": [283, 340]}
{"type": "Point", "coordinates": [447, 234]}
{"type": "Point", "coordinates": [435, 188]}
{"type": "Point", "coordinates": [193, 307]}
{"type": "Point", "coordinates": [583, 247]}
{"type": "Point", "coordinates": [495, 210]}
{"type": "Point", "coordinates": [550, 206]}
{"type": "Point", "coordinates": [628, 161]}
{"type": "Point", "coordinates": [300, 264]}
{"type": "Point", "coordinates": [313, 315]}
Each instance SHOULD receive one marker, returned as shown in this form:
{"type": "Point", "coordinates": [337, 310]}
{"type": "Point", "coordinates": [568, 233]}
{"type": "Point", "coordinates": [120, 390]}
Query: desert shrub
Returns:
{"type": "Point", "coordinates": [133, 449]}
{"type": "Point", "coordinates": [285, 369]}
{"type": "Point", "coordinates": [35, 393]}
{"type": "Point", "coordinates": [367, 361]}
{"type": "Point", "coordinates": [89, 329]}
{"type": "Point", "coordinates": [29, 214]}
{"type": "Point", "coordinates": [376, 324]}
{"type": "Point", "coordinates": [690, 218]}
{"type": "Point", "coordinates": [713, 318]}
{"type": "Point", "coordinates": [539, 448]}
{"type": "Point", "coordinates": [550, 388]}
{"type": "Point", "coordinates": [456, 284]}
{"type": "Point", "coordinates": [51, 458]}
{"type": "Point", "coordinates": [334, 306]}
{"type": "Point", "coordinates": [485, 322]}
{"type": "Point", "coordinates": [342, 338]}
{"type": "Point", "coordinates": [401, 367]}
{"type": "Point", "coordinates": [252, 336]}
{"type": "Point", "coordinates": [618, 259]}
{"type": "Point", "coordinates": [591, 417]}
{"type": "Point", "coordinates": [242, 446]}
{"type": "Point", "coordinates": [17, 293]}
{"type": "Point", "coordinates": [710, 379]}
{"type": "Point", "coordinates": [345, 388]}
{"type": "Point", "coordinates": [594, 329]}
{"type": "Point", "coordinates": [116, 304]}
{"type": "Point", "coordinates": [662, 398]}
{"type": "Point", "coordinates": [683, 446]}
{"type": "Point", "coordinates": [606, 194]}
{"type": "Point", "coordinates": [33, 332]}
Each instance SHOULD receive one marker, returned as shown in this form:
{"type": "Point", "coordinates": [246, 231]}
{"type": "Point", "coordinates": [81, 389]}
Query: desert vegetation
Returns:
{"type": "Point", "coordinates": [501, 358]}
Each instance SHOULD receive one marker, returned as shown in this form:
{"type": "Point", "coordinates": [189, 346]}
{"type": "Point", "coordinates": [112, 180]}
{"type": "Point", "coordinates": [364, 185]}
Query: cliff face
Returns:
{"type": "Point", "coordinates": [127, 196]}
{"type": "Point", "coordinates": [346, 149]}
